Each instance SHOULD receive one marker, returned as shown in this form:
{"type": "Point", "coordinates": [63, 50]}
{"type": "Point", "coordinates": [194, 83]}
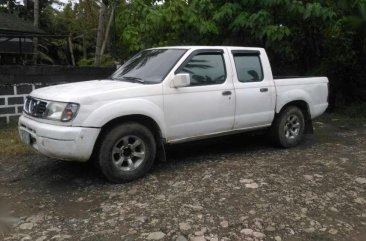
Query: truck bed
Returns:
{"type": "Point", "coordinates": [313, 90]}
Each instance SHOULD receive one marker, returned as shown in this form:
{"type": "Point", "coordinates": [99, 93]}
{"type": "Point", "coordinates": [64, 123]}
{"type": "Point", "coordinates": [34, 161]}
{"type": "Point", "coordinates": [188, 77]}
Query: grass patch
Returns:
{"type": "Point", "coordinates": [10, 144]}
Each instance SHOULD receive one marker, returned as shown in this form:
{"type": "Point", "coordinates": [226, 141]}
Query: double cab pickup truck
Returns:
{"type": "Point", "coordinates": [164, 96]}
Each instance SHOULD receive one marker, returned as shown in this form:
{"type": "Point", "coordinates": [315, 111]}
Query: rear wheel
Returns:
{"type": "Point", "coordinates": [288, 128]}
{"type": "Point", "coordinates": [126, 152]}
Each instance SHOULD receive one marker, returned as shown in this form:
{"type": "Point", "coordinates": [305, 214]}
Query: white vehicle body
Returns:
{"type": "Point", "coordinates": [180, 114]}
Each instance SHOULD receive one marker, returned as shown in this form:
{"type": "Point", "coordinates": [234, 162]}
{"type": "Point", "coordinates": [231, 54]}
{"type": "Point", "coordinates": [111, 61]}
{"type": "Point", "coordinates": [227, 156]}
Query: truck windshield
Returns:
{"type": "Point", "coordinates": [149, 66]}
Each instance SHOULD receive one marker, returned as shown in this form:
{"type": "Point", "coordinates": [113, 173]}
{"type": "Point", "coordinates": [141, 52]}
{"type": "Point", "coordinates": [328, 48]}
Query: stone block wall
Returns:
{"type": "Point", "coordinates": [11, 101]}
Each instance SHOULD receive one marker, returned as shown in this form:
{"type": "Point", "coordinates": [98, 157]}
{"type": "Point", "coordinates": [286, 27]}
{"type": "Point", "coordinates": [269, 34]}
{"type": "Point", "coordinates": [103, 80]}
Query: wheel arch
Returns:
{"type": "Point", "coordinates": [305, 109]}
{"type": "Point", "coordinates": [144, 120]}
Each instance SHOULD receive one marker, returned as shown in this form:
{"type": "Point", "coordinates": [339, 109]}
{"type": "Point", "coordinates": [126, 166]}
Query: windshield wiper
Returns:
{"type": "Point", "coordinates": [133, 79]}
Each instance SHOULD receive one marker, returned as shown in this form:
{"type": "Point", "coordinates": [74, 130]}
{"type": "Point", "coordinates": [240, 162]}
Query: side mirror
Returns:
{"type": "Point", "coordinates": [181, 80]}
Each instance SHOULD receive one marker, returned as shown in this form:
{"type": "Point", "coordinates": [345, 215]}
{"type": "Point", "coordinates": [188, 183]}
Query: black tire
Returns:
{"type": "Point", "coordinates": [123, 134]}
{"type": "Point", "coordinates": [282, 133]}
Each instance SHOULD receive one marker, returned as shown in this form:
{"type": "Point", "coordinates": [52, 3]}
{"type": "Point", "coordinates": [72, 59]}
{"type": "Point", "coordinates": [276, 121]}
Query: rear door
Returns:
{"type": "Point", "coordinates": [254, 88]}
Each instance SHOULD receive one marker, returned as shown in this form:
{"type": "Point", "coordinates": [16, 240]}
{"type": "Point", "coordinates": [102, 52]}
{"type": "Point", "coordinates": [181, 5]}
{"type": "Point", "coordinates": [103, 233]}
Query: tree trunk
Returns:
{"type": "Point", "coordinates": [100, 34]}
{"type": "Point", "coordinates": [84, 10]}
{"type": "Point", "coordinates": [107, 30]}
{"type": "Point", "coordinates": [84, 47]}
{"type": "Point", "coordinates": [71, 49]}
{"type": "Point", "coordinates": [36, 24]}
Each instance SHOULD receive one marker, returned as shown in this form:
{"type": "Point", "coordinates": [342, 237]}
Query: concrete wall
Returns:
{"type": "Point", "coordinates": [16, 82]}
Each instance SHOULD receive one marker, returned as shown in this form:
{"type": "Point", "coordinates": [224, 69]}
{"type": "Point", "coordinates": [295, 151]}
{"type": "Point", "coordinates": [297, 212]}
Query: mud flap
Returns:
{"type": "Point", "coordinates": [161, 154]}
{"type": "Point", "coordinates": [309, 129]}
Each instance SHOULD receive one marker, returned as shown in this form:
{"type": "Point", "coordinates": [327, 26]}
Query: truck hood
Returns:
{"type": "Point", "coordinates": [76, 92]}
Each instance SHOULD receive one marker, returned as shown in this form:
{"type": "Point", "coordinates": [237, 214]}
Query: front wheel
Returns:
{"type": "Point", "coordinates": [126, 152]}
{"type": "Point", "coordinates": [288, 128]}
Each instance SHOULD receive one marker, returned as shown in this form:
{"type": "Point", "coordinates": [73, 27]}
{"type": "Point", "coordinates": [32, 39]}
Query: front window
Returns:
{"type": "Point", "coordinates": [206, 69]}
{"type": "Point", "coordinates": [149, 66]}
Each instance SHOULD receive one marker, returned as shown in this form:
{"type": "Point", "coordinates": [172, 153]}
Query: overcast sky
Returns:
{"type": "Point", "coordinates": [64, 1]}
{"type": "Point", "coordinates": [55, 5]}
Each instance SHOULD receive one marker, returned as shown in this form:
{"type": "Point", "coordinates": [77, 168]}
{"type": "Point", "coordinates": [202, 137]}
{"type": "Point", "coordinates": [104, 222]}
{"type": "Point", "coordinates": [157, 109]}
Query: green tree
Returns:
{"type": "Point", "coordinates": [80, 21]}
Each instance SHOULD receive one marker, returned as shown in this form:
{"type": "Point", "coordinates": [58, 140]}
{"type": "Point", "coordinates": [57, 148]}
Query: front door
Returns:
{"type": "Point", "coordinates": [205, 107]}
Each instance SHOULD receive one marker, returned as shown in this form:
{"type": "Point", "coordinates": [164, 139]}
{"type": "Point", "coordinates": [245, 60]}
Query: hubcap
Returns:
{"type": "Point", "coordinates": [128, 153]}
{"type": "Point", "coordinates": [292, 127]}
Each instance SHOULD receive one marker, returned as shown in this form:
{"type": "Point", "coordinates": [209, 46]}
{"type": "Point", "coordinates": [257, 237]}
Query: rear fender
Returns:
{"type": "Point", "coordinates": [292, 95]}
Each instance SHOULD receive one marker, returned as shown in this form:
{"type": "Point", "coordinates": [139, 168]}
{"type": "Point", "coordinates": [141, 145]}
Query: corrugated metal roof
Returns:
{"type": "Point", "coordinates": [10, 23]}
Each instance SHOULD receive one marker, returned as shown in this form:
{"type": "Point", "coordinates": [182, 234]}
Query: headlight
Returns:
{"type": "Point", "coordinates": [70, 112]}
{"type": "Point", "coordinates": [61, 111]}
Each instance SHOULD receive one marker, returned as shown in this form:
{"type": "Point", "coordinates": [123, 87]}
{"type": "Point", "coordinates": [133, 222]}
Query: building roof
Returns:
{"type": "Point", "coordinates": [11, 24]}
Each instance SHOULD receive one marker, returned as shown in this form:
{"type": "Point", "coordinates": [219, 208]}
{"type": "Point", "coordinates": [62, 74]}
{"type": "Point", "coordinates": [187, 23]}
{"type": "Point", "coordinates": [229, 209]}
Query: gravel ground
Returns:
{"type": "Point", "coordinates": [231, 188]}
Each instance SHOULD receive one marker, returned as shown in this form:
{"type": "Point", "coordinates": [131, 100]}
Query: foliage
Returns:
{"type": "Point", "coordinates": [79, 21]}
{"type": "Point", "coordinates": [143, 25]}
{"type": "Point", "coordinates": [106, 61]}
{"type": "Point", "coordinates": [9, 6]}
{"type": "Point", "coordinates": [302, 37]}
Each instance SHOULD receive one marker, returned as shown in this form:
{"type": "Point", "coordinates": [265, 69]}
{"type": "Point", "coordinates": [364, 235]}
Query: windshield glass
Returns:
{"type": "Point", "coordinates": [149, 66]}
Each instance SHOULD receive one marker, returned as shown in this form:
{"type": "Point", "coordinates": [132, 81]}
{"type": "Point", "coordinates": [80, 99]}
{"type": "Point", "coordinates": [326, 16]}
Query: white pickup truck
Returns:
{"type": "Point", "coordinates": [164, 96]}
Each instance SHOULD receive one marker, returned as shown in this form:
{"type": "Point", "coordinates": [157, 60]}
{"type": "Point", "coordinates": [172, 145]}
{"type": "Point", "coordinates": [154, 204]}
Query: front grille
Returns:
{"type": "Point", "coordinates": [35, 107]}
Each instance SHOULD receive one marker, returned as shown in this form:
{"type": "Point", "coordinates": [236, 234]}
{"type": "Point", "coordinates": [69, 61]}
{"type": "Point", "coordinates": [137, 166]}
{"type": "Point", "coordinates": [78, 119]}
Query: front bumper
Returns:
{"type": "Point", "coordinates": [60, 142]}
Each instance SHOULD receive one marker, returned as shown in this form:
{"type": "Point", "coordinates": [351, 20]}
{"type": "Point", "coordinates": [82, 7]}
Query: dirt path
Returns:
{"type": "Point", "coordinates": [232, 188]}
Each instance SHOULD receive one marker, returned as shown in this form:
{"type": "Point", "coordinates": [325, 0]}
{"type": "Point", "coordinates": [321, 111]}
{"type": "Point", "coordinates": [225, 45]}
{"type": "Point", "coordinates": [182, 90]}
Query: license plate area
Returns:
{"type": "Point", "coordinates": [25, 137]}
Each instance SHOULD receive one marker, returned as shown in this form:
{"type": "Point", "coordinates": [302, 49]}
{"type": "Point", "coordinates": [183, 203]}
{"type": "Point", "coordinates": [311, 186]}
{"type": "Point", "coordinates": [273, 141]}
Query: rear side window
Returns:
{"type": "Point", "coordinates": [248, 68]}
{"type": "Point", "coordinates": [206, 69]}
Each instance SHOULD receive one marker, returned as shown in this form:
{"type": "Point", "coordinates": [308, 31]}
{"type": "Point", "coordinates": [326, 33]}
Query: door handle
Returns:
{"type": "Point", "coordinates": [228, 92]}
{"type": "Point", "coordinates": [263, 90]}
